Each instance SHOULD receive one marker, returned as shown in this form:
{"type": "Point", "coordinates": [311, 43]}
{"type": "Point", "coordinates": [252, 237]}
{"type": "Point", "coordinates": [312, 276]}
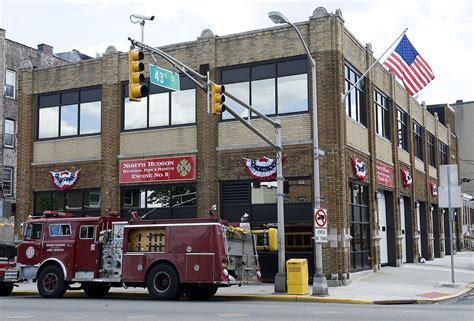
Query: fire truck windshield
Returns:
{"type": "Point", "coordinates": [33, 231]}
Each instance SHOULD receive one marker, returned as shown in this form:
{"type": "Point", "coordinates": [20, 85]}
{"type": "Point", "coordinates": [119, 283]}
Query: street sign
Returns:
{"type": "Point", "coordinates": [320, 235]}
{"type": "Point", "coordinates": [164, 78]}
{"type": "Point", "coordinates": [443, 196]}
{"type": "Point", "coordinates": [320, 223]}
{"type": "Point", "coordinates": [320, 218]}
{"type": "Point", "coordinates": [448, 172]}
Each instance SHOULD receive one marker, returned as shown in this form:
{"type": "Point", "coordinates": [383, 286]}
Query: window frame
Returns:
{"type": "Point", "coordinates": [60, 105]}
{"type": "Point", "coordinates": [384, 107]}
{"type": "Point", "coordinates": [60, 229]}
{"type": "Point", "coordinates": [12, 174]}
{"type": "Point", "coordinates": [29, 227]}
{"type": "Point", "coordinates": [361, 108]}
{"type": "Point", "coordinates": [443, 156]}
{"type": "Point", "coordinates": [402, 129]}
{"type": "Point", "coordinates": [14, 85]}
{"type": "Point", "coordinates": [84, 211]}
{"type": "Point", "coordinates": [430, 139]}
{"type": "Point", "coordinates": [12, 134]}
{"type": "Point", "coordinates": [418, 141]}
{"type": "Point", "coordinates": [170, 106]}
{"type": "Point", "coordinates": [277, 73]}
{"type": "Point", "coordinates": [87, 232]}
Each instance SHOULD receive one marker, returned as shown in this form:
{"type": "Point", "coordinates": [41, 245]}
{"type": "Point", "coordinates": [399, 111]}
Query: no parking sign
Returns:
{"type": "Point", "coordinates": [320, 223]}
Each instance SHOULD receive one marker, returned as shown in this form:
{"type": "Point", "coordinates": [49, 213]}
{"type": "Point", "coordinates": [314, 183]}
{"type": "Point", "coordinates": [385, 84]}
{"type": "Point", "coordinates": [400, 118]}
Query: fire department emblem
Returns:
{"type": "Point", "coordinates": [30, 252]}
{"type": "Point", "coordinates": [184, 167]}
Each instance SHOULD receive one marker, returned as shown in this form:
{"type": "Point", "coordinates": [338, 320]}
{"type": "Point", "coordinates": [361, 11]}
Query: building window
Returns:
{"type": "Point", "coordinates": [360, 226]}
{"type": "Point", "coordinates": [272, 88]}
{"type": "Point", "coordinates": [10, 84]}
{"type": "Point", "coordinates": [259, 200]}
{"type": "Point", "coordinates": [418, 140]}
{"type": "Point", "coordinates": [8, 181]}
{"type": "Point", "coordinates": [443, 154]}
{"type": "Point", "coordinates": [9, 135]}
{"type": "Point", "coordinates": [161, 107]}
{"type": "Point", "coordinates": [78, 202]}
{"type": "Point", "coordinates": [160, 201]}
{"type": "Point", "coordinates": [402, 129]}
{"type": "Point", "coordinates": [356, 107]}
{"type": "Point", "coordinates": [67, 114]}
{"type": "Point", "coordinates": [432, 149]}
{"type": "Point", "coordinates": [382, 116]}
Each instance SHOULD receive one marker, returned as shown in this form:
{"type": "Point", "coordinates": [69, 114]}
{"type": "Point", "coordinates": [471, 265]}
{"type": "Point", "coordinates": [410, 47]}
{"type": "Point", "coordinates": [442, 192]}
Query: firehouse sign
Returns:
{"type": "Point", "coordinates": [158, 169]}
{"type": "Point", "coordinates": [320, 226]}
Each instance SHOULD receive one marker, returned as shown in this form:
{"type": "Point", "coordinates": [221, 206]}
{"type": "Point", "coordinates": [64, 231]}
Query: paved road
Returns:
{"type": "Point", "coordinates": [36, 308]}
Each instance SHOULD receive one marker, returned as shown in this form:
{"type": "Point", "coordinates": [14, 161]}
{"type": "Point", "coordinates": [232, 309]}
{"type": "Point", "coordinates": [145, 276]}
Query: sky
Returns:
{"type": "Point", "coordinates": [441, 31]}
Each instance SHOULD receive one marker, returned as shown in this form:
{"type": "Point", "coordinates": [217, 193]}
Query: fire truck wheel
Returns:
{"type": "Point", "coordinates": [6, 289]}
{"type": "Point", "coordinates": [163, 283]}
{"type": "Point", "coordinates": [200, 291]}
{"type": "Point", "coordinates": [95, 290]}
{"type": "Point", "coordinates": [51, 282]}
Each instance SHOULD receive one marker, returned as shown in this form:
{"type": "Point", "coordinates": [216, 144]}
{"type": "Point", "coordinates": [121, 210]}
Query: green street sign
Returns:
{"type": "Point", "coordinates": [164, 78]}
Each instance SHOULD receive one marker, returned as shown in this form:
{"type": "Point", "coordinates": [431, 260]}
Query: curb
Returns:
{"type": "Point", "coordinates": [298, 298]}
{"type": "Point", "coordinates": [295, 298]}
{"type": "Point", "coordinates": [446, 297]}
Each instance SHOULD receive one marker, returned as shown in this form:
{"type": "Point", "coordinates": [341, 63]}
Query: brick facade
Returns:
{"type": "Point", "coordinates": [12, 56]}
{"type": "Point", "coordinates": [220, 146]}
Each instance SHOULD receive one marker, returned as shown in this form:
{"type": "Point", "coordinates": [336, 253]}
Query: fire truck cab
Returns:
{"type": "Point", "coordinates": [59, 249]}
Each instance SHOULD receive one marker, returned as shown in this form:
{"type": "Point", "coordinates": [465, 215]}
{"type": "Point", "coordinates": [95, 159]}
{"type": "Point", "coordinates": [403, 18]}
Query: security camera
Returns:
{"type": "Point", "coordinates": [142, 17]}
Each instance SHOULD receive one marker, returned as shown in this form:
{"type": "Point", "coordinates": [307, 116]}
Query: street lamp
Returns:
{"type": "Point", "coordinates": [320, 286]}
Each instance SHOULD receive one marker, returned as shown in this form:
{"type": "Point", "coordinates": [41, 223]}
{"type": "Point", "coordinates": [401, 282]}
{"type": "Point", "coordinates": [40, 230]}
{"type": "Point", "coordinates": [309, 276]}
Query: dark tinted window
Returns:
{"type": "Point", "coordinates": [48, 100]}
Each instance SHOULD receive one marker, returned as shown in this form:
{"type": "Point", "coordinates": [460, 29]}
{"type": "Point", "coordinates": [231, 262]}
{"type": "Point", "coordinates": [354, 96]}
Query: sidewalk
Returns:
{"type": "Point", "coordinates": [412, 283]}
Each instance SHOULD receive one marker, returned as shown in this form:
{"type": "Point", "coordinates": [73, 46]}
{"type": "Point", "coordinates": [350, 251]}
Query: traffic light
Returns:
{"type": "Point", "coordinates": [217, 98]}
{"type": "Point", "coordinates": [135, 89]}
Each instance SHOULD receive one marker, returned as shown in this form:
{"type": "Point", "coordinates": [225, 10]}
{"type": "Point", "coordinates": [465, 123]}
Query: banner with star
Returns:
{"type": "Point", "coordinates": [263, 169]}
{"type": "Point", "coordinates": [360, 170]}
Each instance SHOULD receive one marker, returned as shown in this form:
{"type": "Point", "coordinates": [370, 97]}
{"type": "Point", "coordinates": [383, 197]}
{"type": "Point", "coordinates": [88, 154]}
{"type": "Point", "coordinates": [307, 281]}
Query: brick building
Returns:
{"type": "Point", "coordinates": [13, 56]}
{"type": "Point", "coordinates": [77, 117]}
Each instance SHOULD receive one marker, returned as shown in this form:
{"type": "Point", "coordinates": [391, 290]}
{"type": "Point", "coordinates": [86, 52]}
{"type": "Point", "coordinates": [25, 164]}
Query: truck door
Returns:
{"type": "Point", "coordinates": [86, 252]}
{"type": "Point", "coordinates": [30, 250]}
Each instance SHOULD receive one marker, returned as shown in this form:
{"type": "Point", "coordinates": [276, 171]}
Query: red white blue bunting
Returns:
{"type": "Point", "coordinates": [406, 178]}
{"type": "Point", "coordinates": [264, 169]}
{"type": "Point", "coordinates": [360, 170]}
{"type": "Point", "coordinates": [434, 189]}
{"type": "Point", "coordinates": [65, 179]}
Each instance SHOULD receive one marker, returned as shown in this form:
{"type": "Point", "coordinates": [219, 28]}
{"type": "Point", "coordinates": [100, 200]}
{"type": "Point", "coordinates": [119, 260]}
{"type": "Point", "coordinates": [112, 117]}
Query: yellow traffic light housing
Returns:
{"type": "Point", "coordinates": [135, 89]}
{"type": "Point", "coordinates": [217, 98]}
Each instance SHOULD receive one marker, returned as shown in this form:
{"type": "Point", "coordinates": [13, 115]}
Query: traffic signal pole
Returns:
{"type": "Point", "coordinates": [280, 277]}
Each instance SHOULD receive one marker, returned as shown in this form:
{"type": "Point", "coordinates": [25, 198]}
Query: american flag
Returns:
{"type": "Point", "coordinates": [408, 65]}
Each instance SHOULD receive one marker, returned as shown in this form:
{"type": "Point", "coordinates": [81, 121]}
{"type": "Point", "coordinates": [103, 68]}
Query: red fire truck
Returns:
{"type": "Point", "coordinates": [168, 257]}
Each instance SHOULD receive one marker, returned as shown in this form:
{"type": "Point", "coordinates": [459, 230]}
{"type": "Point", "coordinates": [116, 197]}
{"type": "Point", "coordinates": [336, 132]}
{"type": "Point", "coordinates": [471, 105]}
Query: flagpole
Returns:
{"type": "Point", "coordinates": [362, 77]}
